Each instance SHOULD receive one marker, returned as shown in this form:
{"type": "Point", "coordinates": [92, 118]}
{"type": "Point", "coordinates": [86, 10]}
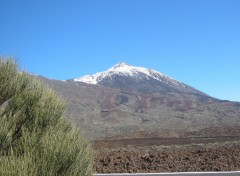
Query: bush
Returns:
{"type": "Point", "coordinates": [35, 138]}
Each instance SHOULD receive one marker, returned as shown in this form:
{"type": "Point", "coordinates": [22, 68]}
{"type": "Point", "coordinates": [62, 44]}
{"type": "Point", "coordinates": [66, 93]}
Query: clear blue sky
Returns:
{"type": "Point", "coordinates": [194, 41]}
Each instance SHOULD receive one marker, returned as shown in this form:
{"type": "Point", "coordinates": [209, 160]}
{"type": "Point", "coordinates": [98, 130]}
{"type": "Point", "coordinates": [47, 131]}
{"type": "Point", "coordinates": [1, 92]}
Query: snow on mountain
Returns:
{"type": "Point", "coordinates": [124, 69]}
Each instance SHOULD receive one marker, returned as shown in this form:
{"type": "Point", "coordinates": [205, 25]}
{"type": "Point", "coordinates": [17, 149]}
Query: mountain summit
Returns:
{"type": "Point", "coordinates": [125, 69]}
{"type": "Point", "coordinates": [131, 78]}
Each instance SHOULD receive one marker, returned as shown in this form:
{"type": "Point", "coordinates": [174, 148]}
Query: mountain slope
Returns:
{"type": "Point", "coordinates": [134, 102]}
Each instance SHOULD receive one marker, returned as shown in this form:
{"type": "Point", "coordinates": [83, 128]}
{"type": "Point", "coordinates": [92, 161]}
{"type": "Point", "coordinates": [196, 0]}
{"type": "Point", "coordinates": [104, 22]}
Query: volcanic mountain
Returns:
{"type": "Point", "coordinates": [135, 102]}
{"type": "Point", "coordinates": [129, 78]}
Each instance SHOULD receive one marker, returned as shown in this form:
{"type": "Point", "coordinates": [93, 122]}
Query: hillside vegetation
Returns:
{"type": "Point", "coordinates": [35, 138]}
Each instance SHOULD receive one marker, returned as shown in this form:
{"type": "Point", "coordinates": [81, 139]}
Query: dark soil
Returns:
{"type": "Point", "coordinates": [181, 158]}
{"type": "Point", "coordinates": [143, 142]}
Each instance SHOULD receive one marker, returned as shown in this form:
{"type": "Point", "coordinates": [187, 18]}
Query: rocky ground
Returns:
{"type": "Point", "coordinates": [176, 158]}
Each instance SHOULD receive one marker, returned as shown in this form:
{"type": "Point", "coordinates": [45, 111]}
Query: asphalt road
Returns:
{"type": "Point", "coordinates": [236, 173]}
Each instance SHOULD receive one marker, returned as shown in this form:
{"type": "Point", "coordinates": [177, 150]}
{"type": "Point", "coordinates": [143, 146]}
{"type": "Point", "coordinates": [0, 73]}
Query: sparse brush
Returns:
{"type": "Point", "coordinates": [35, 138]}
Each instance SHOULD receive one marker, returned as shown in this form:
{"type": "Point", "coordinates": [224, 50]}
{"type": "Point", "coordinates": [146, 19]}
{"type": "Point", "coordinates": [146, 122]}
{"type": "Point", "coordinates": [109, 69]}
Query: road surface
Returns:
{"type": "Point", "coordinates": [236, 173]}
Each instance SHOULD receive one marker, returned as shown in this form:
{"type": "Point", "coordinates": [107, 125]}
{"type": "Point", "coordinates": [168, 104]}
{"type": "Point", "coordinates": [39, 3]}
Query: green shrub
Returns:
{"type": "Point", "coordinates": [35, 138]}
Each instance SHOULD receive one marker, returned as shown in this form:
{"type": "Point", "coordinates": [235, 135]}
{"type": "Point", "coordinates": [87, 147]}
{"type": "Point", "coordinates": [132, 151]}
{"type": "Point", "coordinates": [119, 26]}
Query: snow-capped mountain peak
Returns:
{"type": "Point", "coordinates": [124, 69]}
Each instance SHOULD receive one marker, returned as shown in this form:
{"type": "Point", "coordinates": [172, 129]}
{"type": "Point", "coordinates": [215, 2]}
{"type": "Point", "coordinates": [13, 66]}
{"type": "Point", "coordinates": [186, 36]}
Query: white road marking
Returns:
{"type": "Point", "coordinates": [235, 173]}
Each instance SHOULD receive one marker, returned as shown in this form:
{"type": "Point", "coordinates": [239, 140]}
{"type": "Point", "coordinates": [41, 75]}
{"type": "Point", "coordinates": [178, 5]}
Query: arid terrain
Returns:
{"type": "Point", "coordinates": [210, 150]}
{"type": "Point", "coordinates": [140, 120]}
{"type": "Point", "coordinates": [198, 156]}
